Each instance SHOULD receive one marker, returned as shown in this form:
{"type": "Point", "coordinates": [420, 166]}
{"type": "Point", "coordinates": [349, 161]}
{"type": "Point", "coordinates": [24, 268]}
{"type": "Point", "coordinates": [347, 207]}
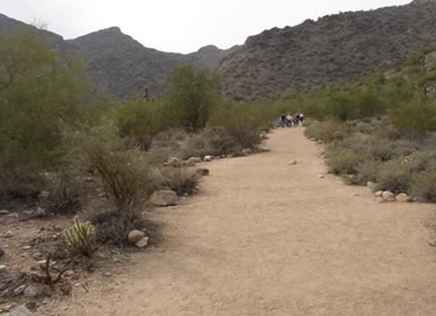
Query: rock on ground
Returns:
{"type": "Point", "coordinates": [293, 162]}
{"type": "Point", "coordinates": [388, 196]}
{"type": "Point", "coordinates": [208, 158]}
{"type": "Point", "coordinates": [379, 194]}
{"type": "Point", "coordinates": [143, 242]}
{"type": "Point", "coordinates": [135, 236]}
{"type": "Point", "coordinates": [164, 198]}
{"type": "Point", "coordinates": [403, 198]}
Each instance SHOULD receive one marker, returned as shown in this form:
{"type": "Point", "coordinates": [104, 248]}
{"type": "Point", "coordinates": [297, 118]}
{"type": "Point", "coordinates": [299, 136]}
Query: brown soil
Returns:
{"type": "Point", "coordinates": [268, 238]}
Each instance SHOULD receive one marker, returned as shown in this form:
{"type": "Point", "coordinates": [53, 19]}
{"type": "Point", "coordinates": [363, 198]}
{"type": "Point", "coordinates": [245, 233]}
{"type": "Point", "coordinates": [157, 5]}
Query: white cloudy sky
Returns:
{"type": "Point", "coordinates": [178, 25]}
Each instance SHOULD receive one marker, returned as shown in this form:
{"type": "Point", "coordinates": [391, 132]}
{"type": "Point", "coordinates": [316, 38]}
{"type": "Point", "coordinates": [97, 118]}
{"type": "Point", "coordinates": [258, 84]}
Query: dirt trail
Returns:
{"type": "Point", "coordinates": [267, 238]}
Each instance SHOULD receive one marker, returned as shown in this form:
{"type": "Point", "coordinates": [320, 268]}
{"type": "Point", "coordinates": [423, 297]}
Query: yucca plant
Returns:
{"type": "Point", "coordinates": [80, 238]}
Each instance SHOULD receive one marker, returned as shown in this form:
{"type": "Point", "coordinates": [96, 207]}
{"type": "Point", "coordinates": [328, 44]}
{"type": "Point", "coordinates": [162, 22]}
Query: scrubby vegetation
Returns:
{"type": "Point", "coordinates": [71, 152]}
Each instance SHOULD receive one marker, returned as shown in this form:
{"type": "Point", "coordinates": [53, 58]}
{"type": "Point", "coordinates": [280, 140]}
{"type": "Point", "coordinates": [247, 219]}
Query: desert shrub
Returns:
{"type": "Point", "coordinates": [182, 181]}
{"type": "Point", "coordinates": [343, 161]}
{"type": "Point", "coordinates": [415, 118]}
{"type": "Point", "coordinates": [366, 171]}
{"type": "Point", "coordinates": [140, 121]}
{"type": "Point", "coordinates": [64, 193]}
{"type": "Point", "coordinates": [192, 94]}
{"type": "Point", "coordinates": [395, 176]}
{"type": "Point", "coordinates": [39, 95]}
{"type": "Point", "coordinates": [80, 238]}
{"type": "Point", "coordinates": [242, 122]}
{"type": "Point", "coordinates": [423, 186]}
{"type": "Point", "coordinates": [113, 226]}
{"type": "Point", "coordinates": [326, 131]}
{"type": "Point", "coordinates": [211, 141]}
{"type": "Point", "coordinates": [124, 173]}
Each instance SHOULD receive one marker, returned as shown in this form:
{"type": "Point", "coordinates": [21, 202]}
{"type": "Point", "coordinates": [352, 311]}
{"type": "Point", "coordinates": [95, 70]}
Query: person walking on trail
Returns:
{"type": "Point", "coordinates": [283, 120]}
{"type": "Point", "coordinates": [289, 120]}
{"type": "Point", "coordinates": [301, 118]}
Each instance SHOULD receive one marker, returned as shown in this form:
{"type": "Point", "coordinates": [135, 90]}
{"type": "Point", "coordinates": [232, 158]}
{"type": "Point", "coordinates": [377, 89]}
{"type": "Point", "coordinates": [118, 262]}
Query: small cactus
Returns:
{"type": "Point", "coordinates": [80, 238]}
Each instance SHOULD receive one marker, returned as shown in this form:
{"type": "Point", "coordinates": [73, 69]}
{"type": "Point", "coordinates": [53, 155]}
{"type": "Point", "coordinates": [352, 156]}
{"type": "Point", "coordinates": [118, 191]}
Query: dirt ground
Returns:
{"type": "Point", "coordinates": [268, 238]}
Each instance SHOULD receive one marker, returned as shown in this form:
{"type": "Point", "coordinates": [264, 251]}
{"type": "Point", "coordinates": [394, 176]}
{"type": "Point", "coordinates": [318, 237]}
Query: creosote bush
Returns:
{"type": "Point", "coordinates": [181, 180]}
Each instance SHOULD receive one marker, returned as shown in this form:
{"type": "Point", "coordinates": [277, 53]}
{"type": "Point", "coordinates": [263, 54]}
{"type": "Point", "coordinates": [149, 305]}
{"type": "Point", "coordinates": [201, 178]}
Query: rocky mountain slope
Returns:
{"type": "Point", "coordinates": [334, 48]}
{"type": "Point", "coordinates": [118, 64]}
{"type": "Point", "coordinates": [123, 67]}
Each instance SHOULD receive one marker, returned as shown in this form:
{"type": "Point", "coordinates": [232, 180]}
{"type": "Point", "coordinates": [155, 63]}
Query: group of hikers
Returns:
{"type": "Point", "coordinates": [288, 120]}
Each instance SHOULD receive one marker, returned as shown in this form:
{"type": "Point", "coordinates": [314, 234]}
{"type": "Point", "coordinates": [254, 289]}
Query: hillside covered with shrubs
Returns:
{"type": "Point", "coordinates": [380, 132]}
{"type": "Point", "coordinates": [68, 151]}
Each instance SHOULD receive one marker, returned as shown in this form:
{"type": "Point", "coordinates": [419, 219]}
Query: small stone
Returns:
{"type": "Point", "coordinates": [388, 196]}
{"type": "Point", "coordinates": [379, 194]}
{"type": "Point", "coordinates": [27, 247]}
{"type": "Point", "coordinates": [293, 163]}
{"type": "Point", "coordinates": [164, 198]}
{"type": "Point", "coordinates": [403, 198]}
{"type": "Point", "coordinates": [4, 212]}
{"type": "Point", "coordinates": [208, 158]}
{"type": "Point", "coordinates": [371, 186]}
{"type": "Point", "coordinates": [321, 176]}
{"type": "Point", "coordinates": [107, 274]}
{"type": "Point", "coordinates": [3, 268]}
{"type": "Point", "coordinates": [142, 243]}
{"type": "Point", "coordinates": [135, 236]}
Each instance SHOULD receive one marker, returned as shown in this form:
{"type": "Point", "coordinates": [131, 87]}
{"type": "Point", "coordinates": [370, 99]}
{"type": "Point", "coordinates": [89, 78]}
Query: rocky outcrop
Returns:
{"type": "Point", "coordinates": [334, 48]}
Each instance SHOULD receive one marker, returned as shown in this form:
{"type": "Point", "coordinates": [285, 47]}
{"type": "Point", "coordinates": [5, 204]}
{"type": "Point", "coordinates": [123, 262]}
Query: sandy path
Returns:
{"type": "Point", "coordinates": [267, 238]}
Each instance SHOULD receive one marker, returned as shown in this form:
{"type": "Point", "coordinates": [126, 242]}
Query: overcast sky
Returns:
{"type": "Point", "coordinates": [178, 25]}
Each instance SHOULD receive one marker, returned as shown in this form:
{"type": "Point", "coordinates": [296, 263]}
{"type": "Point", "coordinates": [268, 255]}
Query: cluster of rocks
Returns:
{"type": "Point", "coordinates": [190, 162]}
{"type": "Point", "coordinates": [388, 196]}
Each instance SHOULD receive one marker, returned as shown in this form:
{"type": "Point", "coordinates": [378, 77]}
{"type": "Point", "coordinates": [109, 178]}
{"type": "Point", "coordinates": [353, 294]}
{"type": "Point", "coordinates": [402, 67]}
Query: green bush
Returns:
{"type": "Point", "coordinates": [423, 186]}
{"type": "Point", "coordinates": [366, 171]}
{"type": "Point", "coordinates": [241, 122]}
{"type": "Point", "coordinates": [326, 131]}
{"type": "Point", "coordinates": [39, 95]}
{"type": "Point", "coordinates": [113, 226]}
{"type": "Point", "coordinates": [64, 190]}
{"type": "Point", "coordinates": [395, 176]}
{"type": "Point", "coordinates": [124, 173]}
{"type": "Point", "coordinates": [343, 161]}
{"type": "Point", "coordinates": [140, 121]}
{"type": "Point", "coordinates": [192, 95]}
{"type": "Point", "coordinates": [181, 180]}
{"type": "Point", "coordinates": [415, 118]}
{"type": "Point", "coordinates": [211, 141]}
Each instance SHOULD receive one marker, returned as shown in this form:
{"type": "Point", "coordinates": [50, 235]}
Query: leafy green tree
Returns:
{"type": "Point", "coordinates": [192, 95]}
{"type": "Point", "coordinates": [140, 121]}
{"type": "Point", "coordinates": [39, 95]}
